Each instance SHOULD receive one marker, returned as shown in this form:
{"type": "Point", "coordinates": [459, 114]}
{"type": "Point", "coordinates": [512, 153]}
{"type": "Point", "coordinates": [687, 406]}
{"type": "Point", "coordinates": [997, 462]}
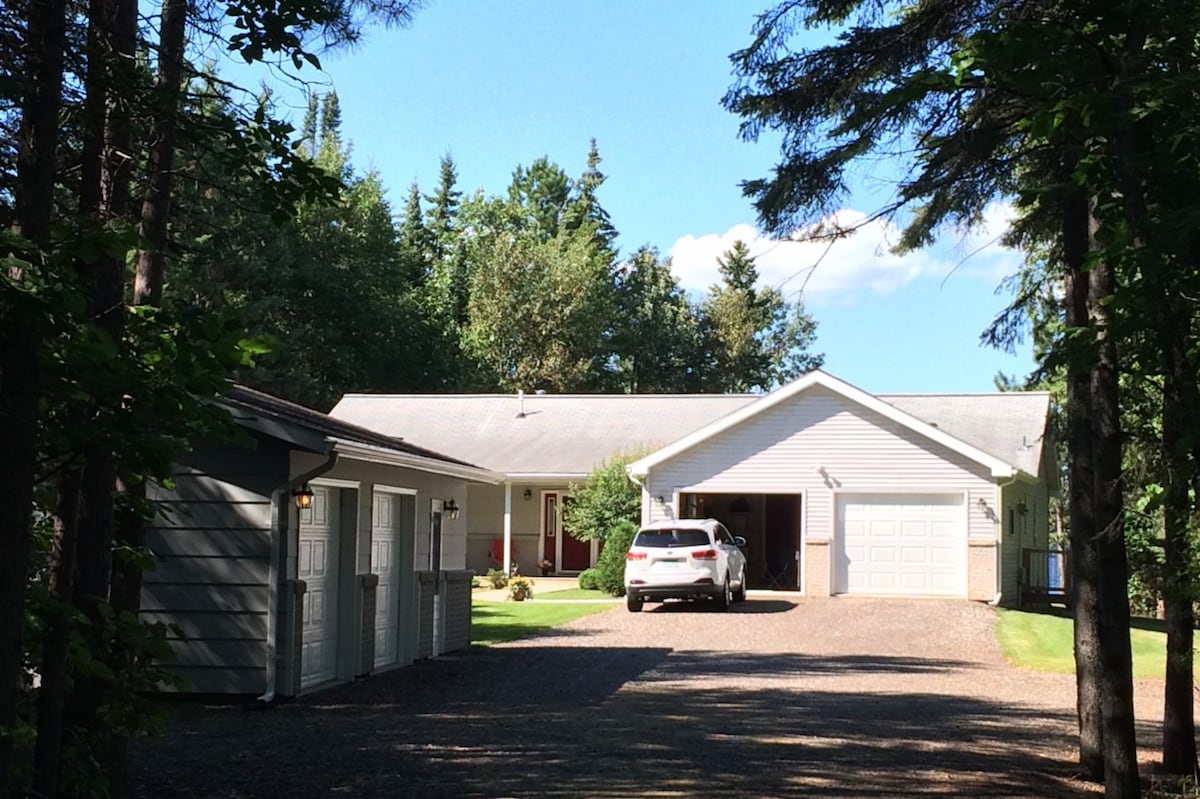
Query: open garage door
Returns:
{"type": "Point", "coordinates": [770, 523]}
{"type": "Point", "coordinates": [901, 544]}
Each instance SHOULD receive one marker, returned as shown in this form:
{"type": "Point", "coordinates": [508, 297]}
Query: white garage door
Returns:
{"type": "Point", "coordinates": [384, 553]}
{"type": "Point", "coordinates": [901, 544]}
{"type": "Point", "coordinates": [318, 567]}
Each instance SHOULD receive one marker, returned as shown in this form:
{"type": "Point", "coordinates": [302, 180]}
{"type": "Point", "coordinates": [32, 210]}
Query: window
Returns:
{"type": "Point", "coordinates": [672, 538]}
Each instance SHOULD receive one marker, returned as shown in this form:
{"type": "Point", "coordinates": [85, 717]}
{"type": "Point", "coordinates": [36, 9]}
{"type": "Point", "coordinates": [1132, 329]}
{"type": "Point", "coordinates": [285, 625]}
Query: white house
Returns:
{"type": "Point", "coordinates": [837, 491]}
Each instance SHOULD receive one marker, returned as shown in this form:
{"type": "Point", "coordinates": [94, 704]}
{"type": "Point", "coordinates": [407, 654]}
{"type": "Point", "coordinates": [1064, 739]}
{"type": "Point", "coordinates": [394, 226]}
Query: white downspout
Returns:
{"type": "Point", "coordinates": [281, 512]}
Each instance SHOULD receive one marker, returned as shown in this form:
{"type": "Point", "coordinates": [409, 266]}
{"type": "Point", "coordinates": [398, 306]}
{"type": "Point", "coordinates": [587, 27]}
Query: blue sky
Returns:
{"type": "Point", "coordinates": [500, 84]}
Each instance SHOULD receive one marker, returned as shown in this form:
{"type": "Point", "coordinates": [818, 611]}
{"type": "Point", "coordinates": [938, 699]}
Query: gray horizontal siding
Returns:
{"type": "Point", "coordinates": [212, 538]}
{"type": "Point", "coordinates": [162, 598]}
{"type": "Point", "coordinates": [221, 679]}
{"type": "Point", "coordinates": [213, 625]}
{"type": "Point", "coordinates": [186, 570]}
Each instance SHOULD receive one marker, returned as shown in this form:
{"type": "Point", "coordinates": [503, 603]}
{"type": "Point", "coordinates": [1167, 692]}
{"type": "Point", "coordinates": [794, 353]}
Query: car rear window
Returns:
{"type": "Point", "coordinates": [671, 538]}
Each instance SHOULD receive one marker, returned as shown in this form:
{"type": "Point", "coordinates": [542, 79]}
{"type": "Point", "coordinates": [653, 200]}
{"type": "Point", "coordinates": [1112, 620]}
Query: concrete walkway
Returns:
{"type": "Point", "coordinates": [543, 590]}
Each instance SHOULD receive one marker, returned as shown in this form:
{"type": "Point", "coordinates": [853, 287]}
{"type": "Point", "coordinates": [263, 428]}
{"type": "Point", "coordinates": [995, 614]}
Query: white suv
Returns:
{"type": "Point", "coordinates": [685, 559]}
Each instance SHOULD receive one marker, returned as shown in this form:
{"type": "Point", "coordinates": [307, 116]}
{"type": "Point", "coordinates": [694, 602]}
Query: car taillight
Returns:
{"type": "Point", "coordinates": [635, 556]}
{"type": "Point", "coordinates": [705, 554]}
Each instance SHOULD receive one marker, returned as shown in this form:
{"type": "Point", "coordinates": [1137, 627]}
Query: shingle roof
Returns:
{"type": "Point", "coordinates": [1008, 425]}
{"type": "Point", "coordinates": [564, 434]}
{"type": "Point", "coordinates": [570, 434]}
{"type": "Point", "coordinates": [325, 424]}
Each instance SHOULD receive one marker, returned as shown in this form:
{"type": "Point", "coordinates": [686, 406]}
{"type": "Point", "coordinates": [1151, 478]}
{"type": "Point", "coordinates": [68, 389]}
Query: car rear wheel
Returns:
{"type": "Point", "coordinates": [633, 603]}
{"type": "Point", "coordinates": [725, 599]}
{"type": "Point", "coordinates": [740, 594]}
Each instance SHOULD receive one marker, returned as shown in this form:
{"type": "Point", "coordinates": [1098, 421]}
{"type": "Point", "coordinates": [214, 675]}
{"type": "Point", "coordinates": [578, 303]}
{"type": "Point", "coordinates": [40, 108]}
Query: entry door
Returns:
{"type": "Point", "coordinates": [318, 568]}
{"type": "Point", "coordinates": [385, 552]}
{"type": "Point", "coordinates": [573, 555]}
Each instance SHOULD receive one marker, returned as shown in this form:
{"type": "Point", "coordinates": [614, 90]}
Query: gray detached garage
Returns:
{"type": "Point", "coordinates": [922, 495]}
{"type": "Point", "coordinates": [265, 598]}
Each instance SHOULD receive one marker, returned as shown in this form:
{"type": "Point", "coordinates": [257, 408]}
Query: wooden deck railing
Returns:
{"type": "Point", "coordinates": [1044, 578]}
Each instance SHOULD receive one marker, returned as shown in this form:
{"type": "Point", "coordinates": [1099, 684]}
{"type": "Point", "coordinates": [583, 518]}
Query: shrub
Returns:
{"type": "Point", "coordinates": [605, 499]}
{"type": "Point", "coordinates": [497, 578]}
{"type": "Point", "coordinates": [611, 566]}
{"type": "Point", "coordinates": [589, 579]}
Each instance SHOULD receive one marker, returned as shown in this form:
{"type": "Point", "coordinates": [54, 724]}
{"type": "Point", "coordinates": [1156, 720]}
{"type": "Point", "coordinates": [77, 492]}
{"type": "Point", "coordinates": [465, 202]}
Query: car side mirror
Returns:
{"type": "Point", "coordinates": [739, 541]}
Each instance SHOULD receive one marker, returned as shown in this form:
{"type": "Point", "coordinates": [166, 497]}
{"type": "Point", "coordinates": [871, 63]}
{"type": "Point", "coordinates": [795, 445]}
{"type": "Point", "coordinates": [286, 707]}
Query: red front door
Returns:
{"type": "Point", "coordinates": [566, 551]}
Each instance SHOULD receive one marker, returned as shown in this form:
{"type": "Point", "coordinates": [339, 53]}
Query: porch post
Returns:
{"type": "Point", "coordinates": [507, 526]}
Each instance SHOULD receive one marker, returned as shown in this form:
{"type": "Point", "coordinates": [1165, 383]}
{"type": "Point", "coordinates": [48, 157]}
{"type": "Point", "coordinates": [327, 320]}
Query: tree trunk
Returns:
{"type": "Point", "coordinates": [1179, 723]}
{"type": "Point", "coordinates": [156, 202]}
{"type": "Point", "coordinates": [1080, 477]}
{"type": "Point", "coordinates": [20, 341]}
{"type": "Point", "coordinates": [1120, 739]}
{"type": "Point", "coordinates": [126, 588]}
{"type": "Point", "coordinates": [53, 670]}
{"type": "Point", "coordinates": [111, 78]}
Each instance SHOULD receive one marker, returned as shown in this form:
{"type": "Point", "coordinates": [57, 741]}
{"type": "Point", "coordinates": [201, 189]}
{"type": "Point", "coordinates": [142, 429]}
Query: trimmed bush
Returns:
{"type": "Point", "coordinates": [589, 579]}
{"type": "Point", "coordinates": [611, 566]}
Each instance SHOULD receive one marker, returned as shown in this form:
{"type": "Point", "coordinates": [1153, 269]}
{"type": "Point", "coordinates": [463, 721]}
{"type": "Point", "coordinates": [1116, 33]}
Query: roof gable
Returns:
{"type": "Point", "coordinates": [998, 467]}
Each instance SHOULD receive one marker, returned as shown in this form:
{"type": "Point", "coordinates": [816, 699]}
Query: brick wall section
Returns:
{"type": "Point", "coordinates": [458, 610]}
{"type": "Point", "coordinates": [366, 657]}
{"type": "Point", "coordinates": [981, 572]}
{"type": "Point", "coordinates": [426, 581]}
{"type": "Point", "coordinates": [816, 568]}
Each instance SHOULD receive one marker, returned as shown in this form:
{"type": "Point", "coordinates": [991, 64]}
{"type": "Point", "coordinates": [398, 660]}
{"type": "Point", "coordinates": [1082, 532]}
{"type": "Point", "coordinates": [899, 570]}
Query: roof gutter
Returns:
{"type": "Point", "coordinates": [281, 516]}
{"type": "Point", "coordinates": [350, 449]}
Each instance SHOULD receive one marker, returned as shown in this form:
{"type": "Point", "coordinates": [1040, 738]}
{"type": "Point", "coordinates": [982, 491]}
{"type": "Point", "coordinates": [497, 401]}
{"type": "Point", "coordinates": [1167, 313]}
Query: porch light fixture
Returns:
{"type": "Point", "coordinates": [528, 495]}
{"type": "Point", "coordinates": [1022, 508]}
{"type": "Point", "coordinates": [451, 508]}
{"type": "Point", "coordinates": [303, 497]}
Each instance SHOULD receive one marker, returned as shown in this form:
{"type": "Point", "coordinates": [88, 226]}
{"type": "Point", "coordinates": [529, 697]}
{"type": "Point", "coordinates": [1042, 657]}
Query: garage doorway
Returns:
{"type": "Point", "coordinates": [901, 545]}
{"type": "Point", "coordinates": [770, 523]}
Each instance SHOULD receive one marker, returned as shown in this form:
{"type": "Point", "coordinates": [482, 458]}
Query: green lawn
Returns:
{"type": "Point", "coordinates": [573, 593]}
{"type": "Point", "coordinates": [1044, 642]}
{"type": "Point", "coordinates": [493, 622]}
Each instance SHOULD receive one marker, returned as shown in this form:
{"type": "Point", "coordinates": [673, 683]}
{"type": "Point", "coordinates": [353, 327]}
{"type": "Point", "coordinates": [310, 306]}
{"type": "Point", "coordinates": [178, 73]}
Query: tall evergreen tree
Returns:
{"type": "Point", "coordinates": [756, 341]}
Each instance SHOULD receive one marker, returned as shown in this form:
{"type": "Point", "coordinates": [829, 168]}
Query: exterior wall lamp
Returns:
{"type": "Point", "coordinates": [451, 508]}
{"type": "Point", "coordinates": [303, 497]}
{"type": "Point", "coordinates": [528, 495]}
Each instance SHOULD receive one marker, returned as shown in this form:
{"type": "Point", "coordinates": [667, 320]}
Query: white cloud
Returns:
{"type": "Point", "coordinates": [860, 263]}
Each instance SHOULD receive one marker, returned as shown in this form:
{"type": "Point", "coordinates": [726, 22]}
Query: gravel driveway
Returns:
{"type": "Point", "coordinates": [787, 696]}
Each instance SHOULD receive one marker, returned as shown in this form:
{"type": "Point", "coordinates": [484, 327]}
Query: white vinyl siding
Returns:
{"type": "Point", "coordinates": [1021, 531]}
{"type": "Point", "coordinates": [820, 443]}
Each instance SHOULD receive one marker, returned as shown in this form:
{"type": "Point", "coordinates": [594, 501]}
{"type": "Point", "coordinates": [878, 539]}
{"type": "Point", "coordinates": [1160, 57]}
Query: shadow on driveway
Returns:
{"type": "Point", "coordinates": [569, 721]}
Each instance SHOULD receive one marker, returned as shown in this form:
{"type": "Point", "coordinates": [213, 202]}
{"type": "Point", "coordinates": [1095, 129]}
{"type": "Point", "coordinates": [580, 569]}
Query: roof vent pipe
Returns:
{"type": "Point", "coordinates": [520, 404]}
